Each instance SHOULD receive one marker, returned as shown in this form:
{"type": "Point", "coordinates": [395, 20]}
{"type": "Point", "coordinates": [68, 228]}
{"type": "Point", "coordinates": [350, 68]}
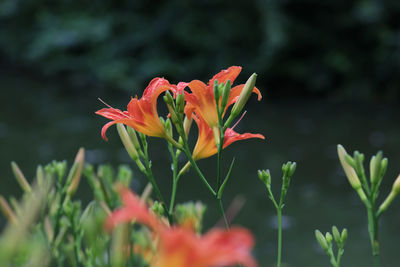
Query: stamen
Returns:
{"type": "Point", "coordinates": [104, 102]}
{"type": "Point", "coordinates": [241, 117]}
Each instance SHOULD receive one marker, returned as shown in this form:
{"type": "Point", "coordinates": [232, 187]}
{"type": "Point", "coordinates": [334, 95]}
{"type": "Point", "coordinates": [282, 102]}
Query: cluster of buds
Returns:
{"type": "Point", "coordinates": [326, 243]}
{"type": "Point", "coordinates": [355, 173]}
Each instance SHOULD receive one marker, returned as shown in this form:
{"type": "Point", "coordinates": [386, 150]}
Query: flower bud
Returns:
{"type": "Point", "coordinates": [133, 137]}
{"type": "Point", "coordinates": [265, 177]}
{"type": "Point", "coordinates": [180, 103]}
{"type": "Point", "coordinates": [158, 208]}
{"type": "Point", "coordinates": [349, 171]}
{"type": "Point", "coordinates": [7, 211]}
{"type": "Point", "coordinates": [396, 185]}
{"type": "Point", "coordinates": [216, 91]}
{"type": "Point", "coordinates": [187, 123]}
{"type": "Point", "coordinates": [225, 95]}
{"type": "Point", "coordinates": [343, 237]}
{"type": "Point", "coordinates": [328, 238]}
{"type": "Point", "coordinates": [375, 168]}
{"type": "Point", "coordinates": [384, 164]}
{"type": "Point", "coordinates": [168, 99]}
{"type": "Point", "coordinates": [126, 141]}
{"type": "Point", "coordinates": [321, 240]}
{"type": "Point", "coordinates": [75, 179]}
{"type": "Point", "coordinates": [19, 176]}
{"type": "Point", "coordinates": [244, 95]}
{"type": "Point", "coordinates": [336, 235]}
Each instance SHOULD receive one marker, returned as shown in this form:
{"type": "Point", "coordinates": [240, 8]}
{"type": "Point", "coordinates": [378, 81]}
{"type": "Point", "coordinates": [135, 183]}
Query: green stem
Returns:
{"type": "Point", "coordinates": [186, 150]}
{"type": "Point", "coordinates": [221, 210]}
{"type": "Point", "coordinates": [339, 256]}
{"type": "Point", "coordinates": [373, 234]}
{"type": "Point", "coordinates": [147, 171]}
{"type": "Point", "coordinates": [279, 213]}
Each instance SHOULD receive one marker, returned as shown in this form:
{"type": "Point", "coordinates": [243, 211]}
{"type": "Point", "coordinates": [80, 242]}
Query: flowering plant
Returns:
{"type": "Point", "coordinates": [120, 228]}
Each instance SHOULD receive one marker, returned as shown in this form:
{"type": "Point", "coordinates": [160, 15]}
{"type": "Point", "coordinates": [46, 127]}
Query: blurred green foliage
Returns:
{"type": "Point", "coordinates": [344, 49]}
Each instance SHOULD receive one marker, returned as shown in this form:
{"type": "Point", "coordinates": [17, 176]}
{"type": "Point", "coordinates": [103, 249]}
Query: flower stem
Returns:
{"type": "Point", "coordinates": [279, 214]}
{"type": "Point", "coordinates": [373, 234]}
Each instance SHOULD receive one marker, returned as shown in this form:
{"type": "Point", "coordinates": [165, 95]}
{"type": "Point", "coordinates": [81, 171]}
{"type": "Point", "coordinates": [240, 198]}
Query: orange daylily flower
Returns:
{"type": "Point", "coordinates": [180, 247]}
{"type": "Point", "coordinates": [205, 146]}
{"type": "Point", "coordinates": [141, 113]}
{"type": "Point", "coordinates": [202, 101]}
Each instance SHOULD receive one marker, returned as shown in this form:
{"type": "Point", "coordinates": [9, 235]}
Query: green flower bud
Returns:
{"type": "Point", "coordinates": [328, 238]}
{"type": "Point", "coordinates": [349, 171]}
{"type": "Point", "coordinates": [336, 235]}
{"type": "Point", "coordinates": [244, 95]}
{"type": "Point", "coordinates": [157, 208]}
{"type": "Point", "coordinates": [127, 142]}
{"type": "Point", "coordinates": [180, 103]}
{"type": "Point", "coordinates": [75, 179]}
{"type": "Point", "coordinates": [343, 237]}
{"type": "Point", "coordinates": [265, 177]}
{"type": "Point", "coordinates": [7, 211]}
{"type": "Point", "coordinates": [375, 168]}
{"type": "Point", "coordinates": [396, 185]}
{"type": "Point", "coordinates": [321, 240]}
{"type": "Point", "coordinates": [133, 137]}
{"type": "Point", "coordinates": [292, 169]}
{"type": "Point", "coordinates": [225, 95]}
{"type": "Point", "coordinates": [168, 99]}
{"type": "Point", "coordinates": [19, 176]}
{"type": "Point", "coordinates": [384, 164]}
{"type": "Point", "coordinates": [216, 91]}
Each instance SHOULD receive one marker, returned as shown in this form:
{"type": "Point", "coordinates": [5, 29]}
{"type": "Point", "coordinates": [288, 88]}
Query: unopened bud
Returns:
{"type": "Point", "coordinates": [180, 103]}
{"type": "Point", "coordinates": [384, 164]}
{"type": "Point", "coordinates": [158, 208]}
{"type": "Point", "coordinates": [336, 235]}
{"type": "Point", "coordinates": [375, 168]}
{"type": "Point", "coordinates": [7, 211]}
{"type": "Point", "coordinates": [216, 91]}
{"type": "Point", "coordinates": [265, 177]}
{"type": "Point", "coordinates": [343, 236]}
{"type": "Point", "coordinates": [349, 171]}
{"type": "Point", "coordinates": [328, 238]}
{"type": "Point", "coordinates": [79, 161]}
{"type": "Point", "coordinates": [187, 123]}
{"type": "Point", "coordinates": [133, 137]}
{"type": "Point", "coordinates": [168, 99]}
{"type": "Point", "coordinates": [244, 95]}
{"type": "Point", "coordinates": [126, 141]}
{"type": "Point", "coordinates": [216, 136]}
{"type": "Point", "coordinates": [225, 95]}
{"type": "Point", "coordinates": [396, 185]}
{"type": "Point", "coordinates": [19, 176]}
{"type": "Point", "coordinates": [321, 240]}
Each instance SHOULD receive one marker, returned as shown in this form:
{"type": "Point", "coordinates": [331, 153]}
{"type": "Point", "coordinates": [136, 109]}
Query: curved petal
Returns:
{"type": "Point", "coordinates": [231, 136]}
{"type": "Point", "coordinates": [229, 74]}
{"type": "Point", "coordinates": [107, 125]}
{"type": "Point", "coordinates": [111, 113]}
{"type": "Point", "coordinates": [235, 93]}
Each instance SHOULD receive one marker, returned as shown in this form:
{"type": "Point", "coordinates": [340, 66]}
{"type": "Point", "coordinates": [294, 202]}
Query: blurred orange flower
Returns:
{"type": "Point", "coordinates": [205, 146]}
{"type": "Point", "coordinates": [142, 113]}
{"type": "Point", "coordinates": [180, 247]}
{"type": "Point", "coordinates": [201, 100]}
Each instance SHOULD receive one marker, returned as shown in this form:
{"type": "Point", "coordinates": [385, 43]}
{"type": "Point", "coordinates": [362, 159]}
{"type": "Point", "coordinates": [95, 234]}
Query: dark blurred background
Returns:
{"type": "Point", "coordinates": [329, 72]}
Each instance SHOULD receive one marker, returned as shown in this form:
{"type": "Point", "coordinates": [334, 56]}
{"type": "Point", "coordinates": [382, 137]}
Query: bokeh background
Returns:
{"type": "Point", "coordinates": [329, 72]}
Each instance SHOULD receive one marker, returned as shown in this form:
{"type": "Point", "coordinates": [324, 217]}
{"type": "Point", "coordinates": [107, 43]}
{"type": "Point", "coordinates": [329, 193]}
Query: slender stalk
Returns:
{"type": "Point", "coordinates": [373, 234]}
{"type": "Point", "coordinates": [279, 213]}
{"type": "Point", "coordinates": [173, 195]}
{"type": "Point", "coordinates": [148, 172]}
{"type": "Point", "coordinates": [222, 212]}
{"type": "Point", "coordinates": [197, 169]}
